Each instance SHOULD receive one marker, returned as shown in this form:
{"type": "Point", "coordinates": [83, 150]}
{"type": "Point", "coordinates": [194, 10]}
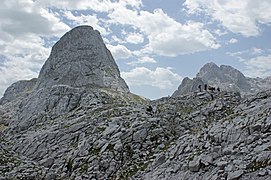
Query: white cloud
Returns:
{"type": "Point", "coordinates": [23, 17]}
{"type": "Point", "coordinates": [236, 54]}
{"type": "Point", "coordinates": [23, 60]}
{"type": "Point", "coordinates": [95, 5]}
{"type": "Point", "coordinates": [143, 60]}
{"type": "Point", "coordinates": [237, 16]}
{"type": "Point", "coordinates": [134, 38]}
{"type": "Point", "coordinates": [233, 41]}
{"type": "Point", "coordinates": [91, 20]}
{"type": "Point", "coordinates": [256, 51]}
{"type": "Point", "coordinates": [220, 33]}
{"type": "Point", "coordinates": [252, 52]}
{"type": "Point", "coordinates": [114, 38]}
{"type": "Point", "coordinates": [119, 51]}
{"type": "Point", "coordinates": [162, 78]}
{"type": "Point", "coordinates": [22, 26]}
{"type": "Point", "coordinates": [128, 37]}
{"type": "Point", "coordinates": [166, 36]}
{"type": "Point", "coordinates": [259, 66]}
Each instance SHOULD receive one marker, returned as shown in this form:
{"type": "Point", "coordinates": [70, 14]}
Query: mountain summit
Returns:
{"type": "Point", "coordinates": [225, 77]}
{"type": "Point", "coordinates": [79, 70]}
{"type": "Point", "coordinates": [81, 59]}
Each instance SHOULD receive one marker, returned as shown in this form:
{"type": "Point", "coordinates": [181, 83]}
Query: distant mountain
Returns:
{"type": "Point", "coordinates": [259, 83]}
{"type": "Point", "coordinates": [225, 77]}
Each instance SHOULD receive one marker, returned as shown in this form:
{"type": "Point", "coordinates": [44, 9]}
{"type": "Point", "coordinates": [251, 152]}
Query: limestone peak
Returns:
{"type": "Point", "coordinates": [81, 59]}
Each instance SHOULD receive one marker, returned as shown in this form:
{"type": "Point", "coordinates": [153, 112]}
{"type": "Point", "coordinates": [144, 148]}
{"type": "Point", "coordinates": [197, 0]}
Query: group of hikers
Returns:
{"type": "Point", "coordinates": [153, 110]}
{"type": "Point", "coordinates": [210, 88]}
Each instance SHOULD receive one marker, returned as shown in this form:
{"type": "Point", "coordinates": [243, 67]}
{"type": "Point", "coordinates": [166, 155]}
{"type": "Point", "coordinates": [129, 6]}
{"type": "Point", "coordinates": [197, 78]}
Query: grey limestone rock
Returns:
{"type": "Point", "coordinates": [81, 59]}
{"type": "Point", "coordinates": [225, 77]}
{"type": "Point", "coordinates": [188, 86]}
{"type": "Point", "coordinates": [195, 164]}
{"type": "Point", "coordinates": [79, 66]}
{"type": "Point", "coordinates": [18, 89]}
{"type": "Point", "coordinates": [95, 129]}
{"type": "Point", "coordinates": [235, 175]}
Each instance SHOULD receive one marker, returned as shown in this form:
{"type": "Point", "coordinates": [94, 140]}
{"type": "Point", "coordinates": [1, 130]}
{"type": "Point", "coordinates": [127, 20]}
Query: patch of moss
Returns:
{"type": "Point", "coordinates": [110, 147]}
{"type": "Point", "coordinates": [101, 129]}
{"type": "Point", "coordinates": [143, 166]}
{"type": "Point", "coordinates": [130, 172]}
{"type": "Point", "coordinates": [254, 165]}
{"type": "Point", "coordinates": [229, 111]}
{"type": "Point", "coordinates": [154, 138]}
{"type": "Point", "coordinates": [74, 144]}
{"type": "Point", "coordinates": [166, 147]}
{"type": "Point", "coordinates": [94, 151]}
{"type": "Point", "coordinates": [268, 149]}
{"type": "Point", "coordinates": [196, 129]}
{"type": "Point", "coordinates": [129, 150]}
{"type": "Point", "coordinates": [69, 164]}
{"type": "Point", "coordinates": [84, 168]}
{"type": "Point", "coordinates": [127, 124]}
{"type": "Point", "coordinates": [137, 98]}
{"type": "Point", "coordinates": [2, 127]}
{"type": "Point", "coordinates": [191, 157]}
{"type": "Point", "coordinates": [186, 109]}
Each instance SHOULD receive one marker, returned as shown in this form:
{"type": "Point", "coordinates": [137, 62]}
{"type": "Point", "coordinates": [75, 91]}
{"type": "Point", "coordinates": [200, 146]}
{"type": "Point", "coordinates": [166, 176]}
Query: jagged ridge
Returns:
{"type": "Point", "coordinates": [225, 77]}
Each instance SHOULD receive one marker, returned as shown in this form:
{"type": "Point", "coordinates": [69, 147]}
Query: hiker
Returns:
{"type": "Point", "coordinates": [218, 89]}
{"type": "Point", "coordinates": [199, 88]}
{"type": "Point", "coordinates": [212, 96]}
{"type": "Point", "coordinates": [149, 110]}
{"type": "Point", "coordinates": [205, 87]}
{"type": "Point", "coordinates": [211, 88]}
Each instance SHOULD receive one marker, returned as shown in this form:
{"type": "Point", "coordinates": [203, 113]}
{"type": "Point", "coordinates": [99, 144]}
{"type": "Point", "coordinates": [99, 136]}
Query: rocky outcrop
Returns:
{"type": "Point", "coordinates": [189, 137]}
{"type": "Point", "coordinates": [188, 86]}
{"type": "Point", "coordinates": [18, 89]}
{"type": "Point", "coordinates": [79, 66]}
{"type": "Point", "coordinates": [81, 59]}
{"type": "Point", "coordinates": [234, 145]}
{"type": "Point", "coordinates": [259, 83]}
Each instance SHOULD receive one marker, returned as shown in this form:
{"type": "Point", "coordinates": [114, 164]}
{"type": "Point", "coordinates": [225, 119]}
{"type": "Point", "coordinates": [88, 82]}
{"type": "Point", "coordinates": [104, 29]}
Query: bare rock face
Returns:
{"type": "Point", "coordinates": [81, 59]}
{"type": "Point", "coordinates": [18, 89]}
{"type": "Point", "coordinates": [225, 77]}
{"type": "Point", "coordinates": [188, 85]}
{"type": "Point", "coordinates": [79, 66]}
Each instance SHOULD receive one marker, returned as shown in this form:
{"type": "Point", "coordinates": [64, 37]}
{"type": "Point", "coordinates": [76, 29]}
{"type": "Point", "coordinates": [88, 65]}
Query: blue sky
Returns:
{"type": "Point", "coordinates": [155, 43]}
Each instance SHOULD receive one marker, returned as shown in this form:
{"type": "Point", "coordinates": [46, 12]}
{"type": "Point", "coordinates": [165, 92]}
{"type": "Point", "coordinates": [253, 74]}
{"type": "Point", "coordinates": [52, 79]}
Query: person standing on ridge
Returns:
{"type": "Point", "coordinates": [199, 88]}
{"type": "Point", "coordinates": [205, 87]}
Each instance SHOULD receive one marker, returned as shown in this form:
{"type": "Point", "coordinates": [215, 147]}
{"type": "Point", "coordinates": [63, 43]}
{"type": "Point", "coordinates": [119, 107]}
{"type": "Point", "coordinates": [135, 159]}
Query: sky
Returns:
{"type": "Point", "coordinates": [156, 43]}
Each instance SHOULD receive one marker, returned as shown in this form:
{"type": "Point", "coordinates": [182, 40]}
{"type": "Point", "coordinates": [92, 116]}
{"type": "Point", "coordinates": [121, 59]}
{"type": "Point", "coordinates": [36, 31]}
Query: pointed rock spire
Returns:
{"type": "Point", "coordinates": [81, 59]}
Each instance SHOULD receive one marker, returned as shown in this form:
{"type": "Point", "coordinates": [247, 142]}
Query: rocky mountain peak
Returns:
{"type": "Point", "coordinates": [210, 65]}
{"type": "Point", "coordinates": [81, 59]}
{"type": "Point", "coordinates": [225, 77]}
{"type": "Point", "coordinates": [211, 71]}
{"type": "Point", "coordinates": [17, 89]}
